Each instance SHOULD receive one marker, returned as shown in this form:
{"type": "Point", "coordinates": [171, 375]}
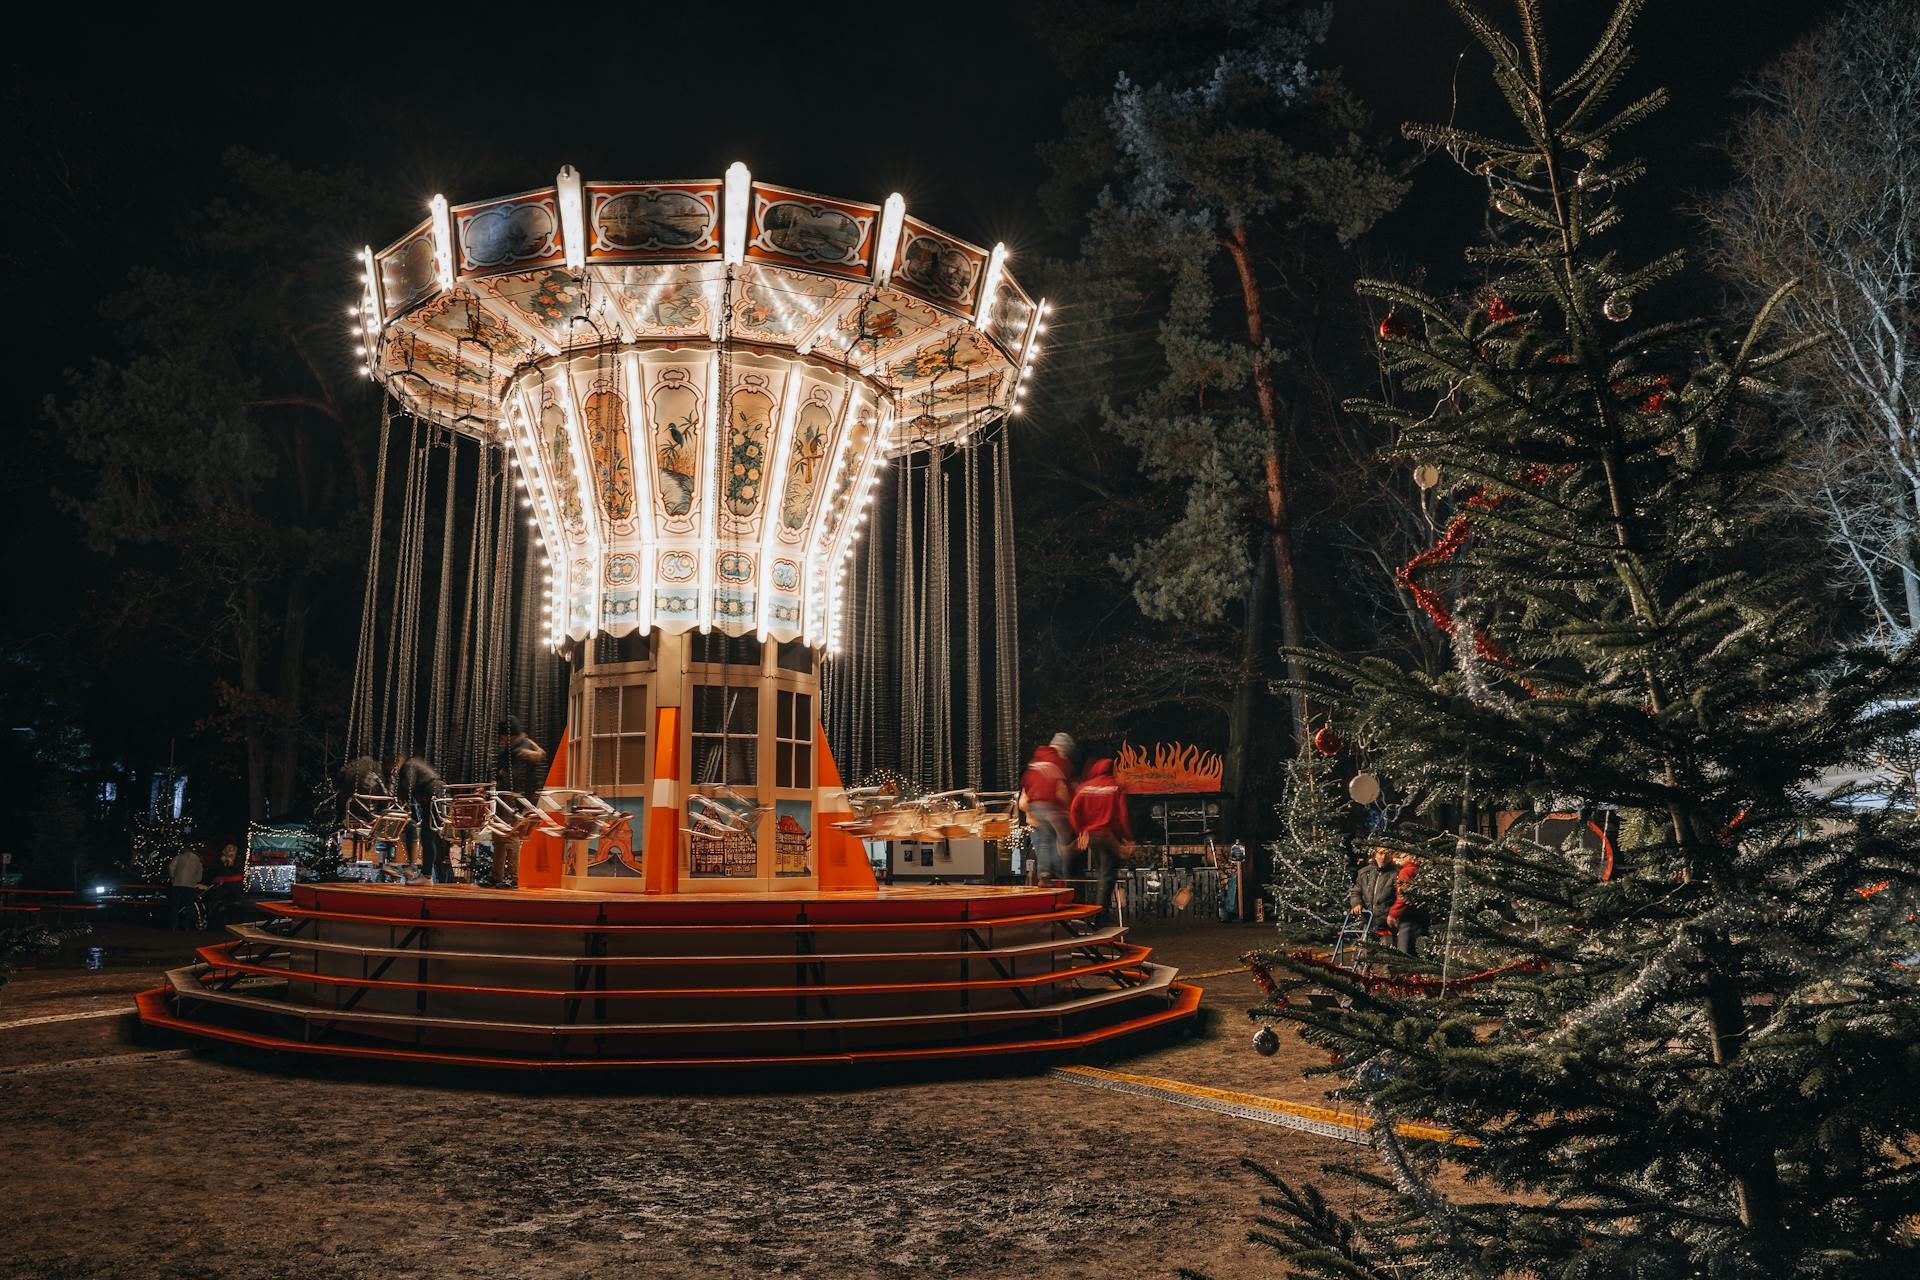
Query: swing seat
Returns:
{"type": "Point", "coordinates": [465, 814]}
{"type": "Point", "coordinates": [390, 827]}
{"type": "Point", "coordinates": [513, 817]}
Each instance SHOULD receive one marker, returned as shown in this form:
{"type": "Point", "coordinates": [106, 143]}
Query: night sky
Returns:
{"type": "Point", "coordinates": [114, 131]}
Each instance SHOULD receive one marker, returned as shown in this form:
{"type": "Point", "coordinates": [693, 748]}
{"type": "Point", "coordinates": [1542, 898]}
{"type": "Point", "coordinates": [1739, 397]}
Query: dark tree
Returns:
{"type": "Point", "coordinates": [1699, 1061]}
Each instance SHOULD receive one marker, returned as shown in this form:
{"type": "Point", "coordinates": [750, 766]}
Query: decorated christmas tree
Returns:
{"type": "Point", "coordinates": [1312, 861]}
{"type": "Point", "coordinates": [1697, 1058]}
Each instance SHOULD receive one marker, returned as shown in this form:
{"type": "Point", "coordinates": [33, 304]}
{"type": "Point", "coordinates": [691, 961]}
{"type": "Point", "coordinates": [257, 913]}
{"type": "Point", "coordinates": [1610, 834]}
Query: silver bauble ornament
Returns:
{"type": "Point", "coordinates": [1265, 1042]}
{"type": "Point", "coordinates": [1616, 308]}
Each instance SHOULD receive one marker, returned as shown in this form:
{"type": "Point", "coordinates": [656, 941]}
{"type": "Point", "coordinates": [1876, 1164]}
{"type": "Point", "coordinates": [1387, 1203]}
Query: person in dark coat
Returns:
{"type": "Point", "coordinates": [516, 765]}
{"type": "Point", "coordinates": [516, 768]}
{"type": "Point", "coordinates": [417, 784]}
{"type": "Point", "coordinates": [1375, 885]}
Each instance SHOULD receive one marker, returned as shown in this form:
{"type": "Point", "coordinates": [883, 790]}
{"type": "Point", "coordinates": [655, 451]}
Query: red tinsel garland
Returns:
{"type": "Point", "coordinates": [1410, 984]}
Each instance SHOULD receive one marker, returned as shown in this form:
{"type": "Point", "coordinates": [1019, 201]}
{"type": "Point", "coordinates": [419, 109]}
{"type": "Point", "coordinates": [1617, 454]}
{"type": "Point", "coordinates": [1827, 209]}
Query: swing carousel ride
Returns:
{"type": "Point", "coordinates": [675, 404]}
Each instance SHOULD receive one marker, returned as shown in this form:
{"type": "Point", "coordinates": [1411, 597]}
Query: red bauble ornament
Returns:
{"type": "Point", "coordinates": [1327, 742]}
{"type": "Point", "coordinates": [1392, 326]}
{"type": "Point", "coordinates": [1498, 310]}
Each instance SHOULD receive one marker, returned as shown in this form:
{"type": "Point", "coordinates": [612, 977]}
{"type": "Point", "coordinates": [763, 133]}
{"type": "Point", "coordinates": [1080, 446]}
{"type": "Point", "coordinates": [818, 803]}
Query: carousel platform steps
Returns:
{"type": "Point", "coordinates": [575, 959]}
{"type": "Point", "coordinates": [223, 957]}
{"type": "Point", "coordinates": [559, 979]}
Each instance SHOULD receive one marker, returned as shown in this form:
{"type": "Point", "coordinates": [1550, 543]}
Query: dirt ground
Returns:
{"type": "Point", "coordinates": [124, 1157]}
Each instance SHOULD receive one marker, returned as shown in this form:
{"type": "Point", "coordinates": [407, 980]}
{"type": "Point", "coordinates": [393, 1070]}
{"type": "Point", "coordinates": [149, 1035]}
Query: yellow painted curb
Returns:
{"type": "Point", "coordinates": [1348, 1120]}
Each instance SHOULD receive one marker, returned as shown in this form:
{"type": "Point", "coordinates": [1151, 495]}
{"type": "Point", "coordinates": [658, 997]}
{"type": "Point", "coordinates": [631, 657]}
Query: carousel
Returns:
{"type": "Point", "coordinates": [636, 433]}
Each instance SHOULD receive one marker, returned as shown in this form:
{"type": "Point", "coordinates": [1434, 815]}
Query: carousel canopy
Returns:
{"type": "Point", "coordinates": [598, 330]}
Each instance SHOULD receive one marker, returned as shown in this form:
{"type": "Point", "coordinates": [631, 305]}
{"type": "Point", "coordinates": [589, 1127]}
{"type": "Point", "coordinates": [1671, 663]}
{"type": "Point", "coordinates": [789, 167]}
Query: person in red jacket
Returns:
{"type": "Point", "coordinates": [1407, 920]}
{"type": "Point", "coordinates": [1046, 788]}
{"type": "Point", "coordinates": [1102, 828]}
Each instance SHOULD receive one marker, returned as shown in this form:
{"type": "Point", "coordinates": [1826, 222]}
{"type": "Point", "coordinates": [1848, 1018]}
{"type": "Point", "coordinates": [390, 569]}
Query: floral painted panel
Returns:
{"type": "Point", "coordinates": [610, 446]}
{"type": "Point", "coordinates": [749, 424]}
{"type": "Point", "coordinates": [551, 301]}
{"type": "Point", "coordinates": [782, 304]}
{"type": "Point", "coordinates": [882, 325]}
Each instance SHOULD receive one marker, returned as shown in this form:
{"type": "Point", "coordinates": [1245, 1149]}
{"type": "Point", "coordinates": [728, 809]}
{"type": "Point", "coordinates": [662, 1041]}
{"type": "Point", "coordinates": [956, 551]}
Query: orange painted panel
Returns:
{"type": "Point", "coordinates": [662, 854]}
{"type": "Point", "coordinates": [541, 854]}
{"type": "Point", "coordinates": [843, 859]}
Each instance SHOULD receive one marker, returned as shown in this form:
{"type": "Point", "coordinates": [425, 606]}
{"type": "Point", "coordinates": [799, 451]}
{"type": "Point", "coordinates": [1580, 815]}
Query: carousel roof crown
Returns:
{"type": "Point", "coordinates": [597, 330]}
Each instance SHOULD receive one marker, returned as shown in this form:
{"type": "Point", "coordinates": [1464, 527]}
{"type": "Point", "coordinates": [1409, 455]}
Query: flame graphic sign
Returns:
{"type": "Point", "coordinates": [1170, 767]}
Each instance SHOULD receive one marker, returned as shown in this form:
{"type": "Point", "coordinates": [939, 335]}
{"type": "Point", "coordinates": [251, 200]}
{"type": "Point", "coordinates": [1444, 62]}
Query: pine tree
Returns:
{"type": "Point", "coordinates": [1705, 1064]}
{"type": "Point", "coordinates": [1231, 170]}
{"type": "Point", "coordinates": [1312, 859]}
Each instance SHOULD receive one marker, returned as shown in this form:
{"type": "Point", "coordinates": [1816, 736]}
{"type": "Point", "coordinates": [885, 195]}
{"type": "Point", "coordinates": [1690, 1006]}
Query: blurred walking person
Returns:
{"type": "Point", "coordinates": [516, 768]}
{"type": "Point", "coordinates": [1046, 790]}
{"type": "Point", "coordinates": [183, 884]}
{"type": "Point", "coordinates": [417, 784]}
{"type": "Point", "coordinates": [1102, 828]}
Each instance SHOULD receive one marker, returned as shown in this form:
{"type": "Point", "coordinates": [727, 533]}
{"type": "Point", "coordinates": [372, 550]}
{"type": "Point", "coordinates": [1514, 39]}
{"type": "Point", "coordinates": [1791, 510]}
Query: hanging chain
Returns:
{"type": "Point", "coordinates": [1006, 658]}
{"type": "Point", "coordinates": [360, 710]}
{"type": "Point", "coordinates": [971, 629]}
{"type": "Point", "coordinates": [437, 680]}
{"type": "Point", "coordinates": [904, 570]}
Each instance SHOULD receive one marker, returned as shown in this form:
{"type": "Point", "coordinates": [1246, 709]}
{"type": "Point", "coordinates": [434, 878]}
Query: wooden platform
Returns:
{"type": "Point", "coordinates": [562, 979]}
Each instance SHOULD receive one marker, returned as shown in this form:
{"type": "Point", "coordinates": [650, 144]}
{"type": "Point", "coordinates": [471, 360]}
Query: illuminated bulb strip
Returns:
{"type": "Point", "coordinates": [573, 222]}
{"type": "Point", "coordinates": [852, 521]}
{"type": "Point", "coordinates": [709, 497]}
{"type": "Point", "coordinates": [643, 486]}
{"type": "Point", "coordinates": [990, 288]}
{"type": "Point", "coordinates": [776, 484]}
{"type": "Point", "coordinates": [590, 509]}
{"type": "Point", "coordinates": [893, 216]}
{"type": "Point", "coordinates": [735, 194]}
{"type": "Point", "coordinates": [376, 296]}
{"type": "Point", "coordinates": [811, 581]}
{"type": "Point", "coordinates": [442, 242]}
{"type": "Point", "coordinates": [546, 508]}
{"type": "Point", "coordinates": [1028, 350]}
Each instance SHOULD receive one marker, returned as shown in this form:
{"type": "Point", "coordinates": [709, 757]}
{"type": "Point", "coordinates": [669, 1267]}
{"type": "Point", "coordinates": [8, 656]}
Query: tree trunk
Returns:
{"type": "Point", "coordinates": [1248, 690]}
{"type": "Point", "coordinates": [1279, 509]}
{"type": "Point", "coordinates": [293, 660]}
{"type": "Point", "coordinates": [255, 735]}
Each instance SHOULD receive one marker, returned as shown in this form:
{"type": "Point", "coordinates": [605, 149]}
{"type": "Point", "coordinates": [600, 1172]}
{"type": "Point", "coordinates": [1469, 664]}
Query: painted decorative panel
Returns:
{"type": "Point", "coordinates": [939, 268]}
{"type": "Point", "coordinates": [777, 304]}
{"type": "Point", "coordinates": [674, 419]}
{"type": "Point", "coordinates": [808, 455]}
{"type": "Point", "coordinates": [662, 220]}
{"type": "Point", "coordinates": [834, 236]}
{"type": "Point", "coordinates": [873, 331]}
{"type": "Point", "coordinates": [661, 301]}
{"type": "Point", "coordinates": [505, 235]}
{"type": "Point", "coordinates": [406, 270]}
{"type": "Point", "coordinates": [603, 406]}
